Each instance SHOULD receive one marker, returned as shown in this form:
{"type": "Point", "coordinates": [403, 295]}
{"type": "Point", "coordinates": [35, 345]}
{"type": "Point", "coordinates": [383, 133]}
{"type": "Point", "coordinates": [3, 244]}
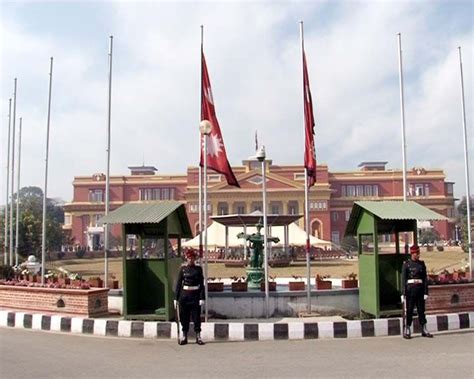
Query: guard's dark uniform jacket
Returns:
{"type": "Point", "coordinates": [189, 290]}
{"type": "Point", "coordinates": [414, 287]}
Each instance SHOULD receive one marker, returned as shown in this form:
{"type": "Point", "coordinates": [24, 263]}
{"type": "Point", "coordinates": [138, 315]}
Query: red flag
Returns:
{"type": "Point", "coordinates": [309, 153]}
{"type": "Point", "coordinates": [216, 154]}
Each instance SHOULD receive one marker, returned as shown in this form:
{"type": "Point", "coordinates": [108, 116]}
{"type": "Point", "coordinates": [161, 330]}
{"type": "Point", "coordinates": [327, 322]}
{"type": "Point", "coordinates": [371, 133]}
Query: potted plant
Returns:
{"type": "Point", "coordinates": [113, 282]}
{"type": "Point", "coordinates": [297, 284]}
{"type": "Point", "coordinates": [322, 284]}
{"type": "Point", "coordinates": [215, 285]}
{"type": "Point", "coordinates": [239, 284]}
{"type": "Point", "coordinates": [445, 277]}
{"type": "Point", "coordinates": [350, 281]}
{"type": "Point", "coordinates": [271, 284]}
{"type": "Point", "coordinates": [96, 281]}
{"type": "Point", "coordinates": [459, 275]}
{"type": "Point", "coordinates": [432, 276]}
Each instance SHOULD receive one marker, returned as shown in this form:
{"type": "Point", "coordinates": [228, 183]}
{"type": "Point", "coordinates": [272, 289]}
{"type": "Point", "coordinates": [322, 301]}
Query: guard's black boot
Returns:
{"type": "Point", "coordinates": [184, 339]}
{"type": "Point", "coordinates": [425, 333]}
{"type": "Point", "coordinates": [407, 333]}
{"type": "Point", "coordinates": [199, 341]}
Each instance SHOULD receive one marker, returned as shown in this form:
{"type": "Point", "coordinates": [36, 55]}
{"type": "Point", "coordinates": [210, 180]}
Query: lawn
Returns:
{"type": "Point", "coordinates": [450, 259]}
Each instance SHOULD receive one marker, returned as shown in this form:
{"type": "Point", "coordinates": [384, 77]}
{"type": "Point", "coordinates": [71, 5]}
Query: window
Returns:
{"type": "Point", "coordinates": [334, 216]}
{"type": "Point", "coordinates": [368, 190]}
{"type": "Point", "coordinates": [223, 209]}
{"type": "Point", "coordinates": [214, 178]}
{"type": "Point", "coordinates": [193, 208]}
{"type": "Point", "coordinates": [343, 191]}
{"type": "Point", "coordinates": [375, 190]}
{"type": "Point", "coordinates": [298, 176]}
{"type": "Point", "coordinates": [427, 189]}
{"type": "Point", "coordinates": [275, 210]}
{"type": "Point", "coordinates": [360, 190]}
{"type": "Point", "coordinates": [351, 191]}
{"type": "Point", "coordinates": [95, 220]}
{"type": "Point", "coordinates": [449, 188]}
{"type": "Point", "coordinates": [67, 219]}
{"type": "Point", "coordinates": [419, 190]}
{"type": "Point", "coordinates": [293, 208]}
{"type": "Point", "coordinates": [240, 209]}
{"type": "Point", "coordinates": [166, 193]}
{"type": "Point", "coordinates": [347, 214]}
{"type": "Point", "coordinates": [335, 237]}
{"type": "Point", "coordinates": [96, 195]}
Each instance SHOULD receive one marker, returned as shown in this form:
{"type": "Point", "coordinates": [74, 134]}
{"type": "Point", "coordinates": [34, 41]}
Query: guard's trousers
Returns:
{"type": "Point", "coordinates": [415, 297]}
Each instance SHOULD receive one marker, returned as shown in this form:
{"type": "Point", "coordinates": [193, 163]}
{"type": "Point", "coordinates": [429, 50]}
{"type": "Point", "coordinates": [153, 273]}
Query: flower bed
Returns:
{"type": "Point", "coordinates": [53, 298]}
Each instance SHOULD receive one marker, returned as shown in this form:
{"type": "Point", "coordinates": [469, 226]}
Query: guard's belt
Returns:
{"type": "Point", "coordinates": [190, 288]}
{"type": "Point", "coordinates": [414, 281]}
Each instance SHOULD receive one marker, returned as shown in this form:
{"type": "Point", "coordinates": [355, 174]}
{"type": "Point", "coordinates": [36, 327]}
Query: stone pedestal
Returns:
{"type": "Point", "coordinates": [255, 276]}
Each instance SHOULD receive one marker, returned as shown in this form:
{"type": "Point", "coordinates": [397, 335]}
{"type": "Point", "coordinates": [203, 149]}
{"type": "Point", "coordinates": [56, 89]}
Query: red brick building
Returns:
{"type": "Point", "coordinates": [331, 198]}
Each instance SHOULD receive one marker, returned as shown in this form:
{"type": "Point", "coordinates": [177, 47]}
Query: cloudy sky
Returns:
{"type": "Point", "coordinates": [254, 61]}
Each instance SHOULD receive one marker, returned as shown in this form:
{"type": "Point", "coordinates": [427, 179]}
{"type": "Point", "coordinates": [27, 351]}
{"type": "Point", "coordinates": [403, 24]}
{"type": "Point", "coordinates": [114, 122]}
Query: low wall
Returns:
{"type": "Point", "coordinates": [89, 303]}
{"type": "Point", "coordinates": [450, 298]}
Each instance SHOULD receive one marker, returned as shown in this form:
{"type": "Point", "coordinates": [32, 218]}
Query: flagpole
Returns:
{"type": "Point", "coordinates": [466, 169]}
{"type": "Point", "coordinates": [261, 157]}
{"type": "Point", "coordinates": [5, 242]}
{"type": "Point", "coordinates": [18, 195]}
{"type": "Point", "coordinates": [306, 200]}
{"type": "Point", "coordinates": [205, 130]}
{"type": "Point", "coordinates": [402, 114]}
{"type": "Point", "coordinates": [43, 244]}
{"type": "Point", "coordinates": [200, 152]}
{"type": "Point", "coordinates": [107, 182]}
{"type": "Point", "coordinates": [12, 244]}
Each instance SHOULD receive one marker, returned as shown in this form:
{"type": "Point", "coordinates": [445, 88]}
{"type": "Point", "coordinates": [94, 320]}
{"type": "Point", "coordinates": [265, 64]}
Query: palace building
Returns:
{"type": "Point", "coordinates": [330, 199]}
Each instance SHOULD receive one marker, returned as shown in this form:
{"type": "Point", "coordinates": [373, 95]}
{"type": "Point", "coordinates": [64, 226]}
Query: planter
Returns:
{"type": "Point", "coordinates": [272, 286]}
{"type": "Point", "coordinates": [64, 281]}
{"type": "Point", "coordinates": [433, 278]}
{"type": "Point", "coordinates": [349, 283]}
{"type": "Point", "coordinates": [459, 276]}
{"type": "Point", "coordinates": [88, 303]}
{"type": "Point", "coordinates": [239, 286]}
{"type": "Point", "coordinates": [325, 284]}
{"type": "Point", "coordinates": [296, 286]}
{"type": "Point", "coordinates": [113, 284]}
{"type": "Point", "coordinates": [215, 286]}
{"type": "Point", "coordinates": [445, 278]}
{"type": "Point", "coordinates": [96, 282]}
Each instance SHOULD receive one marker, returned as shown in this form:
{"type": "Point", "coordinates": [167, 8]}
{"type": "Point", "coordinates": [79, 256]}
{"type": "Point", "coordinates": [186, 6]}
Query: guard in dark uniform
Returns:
{"type": "Point", "coordinates": [190, 297]}
{"type": "Point", "coordinates": [414, 291]}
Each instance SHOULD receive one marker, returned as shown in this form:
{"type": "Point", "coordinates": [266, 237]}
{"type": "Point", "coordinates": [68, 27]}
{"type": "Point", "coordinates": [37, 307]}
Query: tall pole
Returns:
{"type": "Point", "coordinates": [107, 181]}
{"type": "Point", "coordinates": [45, 192]}
{"type": "Point", "coordinates": [466, 170]}
{"type": "Point", "coordinates": [5, 241]}
{"type": "Point", "coordinates": [261, 158]}
{"type": "Point", "coordinates": [18, 195]}
{"type": "Point", "coordinates": [200, 168]}
{"type": "Point", "coordinates": [306, 204]}
{"type": "Point", "coordinates": [205, 128]}
{"type": "Point", "coordinates": [12, 243]}
{"type": "Point", "coordinates": [402, 115]}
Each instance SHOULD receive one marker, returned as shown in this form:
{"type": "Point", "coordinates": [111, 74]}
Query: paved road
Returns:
{"type": "Point", "coordinates": [34, 354]}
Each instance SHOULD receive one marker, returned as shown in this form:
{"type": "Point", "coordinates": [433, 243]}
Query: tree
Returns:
{"type": "Point", "coordinates": [428, 236]}
{"type": "Point", "coordinates": [31, 222]}
{"type": "Point", "coordinates": [462, 210]}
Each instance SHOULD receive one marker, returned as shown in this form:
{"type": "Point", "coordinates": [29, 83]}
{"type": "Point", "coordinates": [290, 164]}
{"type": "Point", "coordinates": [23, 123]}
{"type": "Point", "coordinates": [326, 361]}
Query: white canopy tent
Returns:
{"type": "Point", "coordinates": [216, 236]}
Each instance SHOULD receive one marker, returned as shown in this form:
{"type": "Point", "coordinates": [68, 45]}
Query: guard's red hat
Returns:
{"type": "Point", "coordinates": [190, 253]}
{"type": "Point", "coordinates": [414, 249]}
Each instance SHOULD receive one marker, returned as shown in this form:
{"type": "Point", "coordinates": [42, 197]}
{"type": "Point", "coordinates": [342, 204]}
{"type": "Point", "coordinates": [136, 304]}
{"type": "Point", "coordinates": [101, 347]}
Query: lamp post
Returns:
{"type": "Point", "coordinates": [205, 128]}
{"type": "Point", "coordinates": [261, 158]}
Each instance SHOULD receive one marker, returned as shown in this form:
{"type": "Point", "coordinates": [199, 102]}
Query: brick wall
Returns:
{"type": "Point", "coordinates": [450, 298]}
{"type": "Point", "coordinates": [93, 302]}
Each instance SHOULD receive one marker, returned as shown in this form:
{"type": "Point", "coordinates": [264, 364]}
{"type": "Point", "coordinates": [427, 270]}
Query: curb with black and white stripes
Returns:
{"type": "Point", "coordinates": [232, 331]}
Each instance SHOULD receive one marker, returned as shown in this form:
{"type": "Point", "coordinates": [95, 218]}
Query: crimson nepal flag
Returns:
{"type": "Point", "coordinates": [216, 153]}
{"type": "Point", "coordinates": [309, 153]}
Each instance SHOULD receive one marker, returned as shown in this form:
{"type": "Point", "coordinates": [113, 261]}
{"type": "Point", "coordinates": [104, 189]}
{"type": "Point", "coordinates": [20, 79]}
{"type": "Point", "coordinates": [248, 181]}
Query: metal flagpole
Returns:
{"type": "Point", "coordinates": [18, 195]}
{"type": "Point", "coordinates": [45, 192]}
{"type": "Point", "coordinates": [107, 181]}
{"type": "Point", "coordinates": [261, 157]}
{"type": "Point", "coordinates": [205, 127]}
{"type": "Point", "coordinates": [402, 110]}
{"type": "Point", "coordinates": [306, 205]}
{"type": "Point", "coordinates": [5, 242]}
{"type": "Point", "coordinates": [466, 170]}
{"type": "Point", "coordinates": [12, 243]}
{"type": "Point", "coordinates": [200, 168]}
